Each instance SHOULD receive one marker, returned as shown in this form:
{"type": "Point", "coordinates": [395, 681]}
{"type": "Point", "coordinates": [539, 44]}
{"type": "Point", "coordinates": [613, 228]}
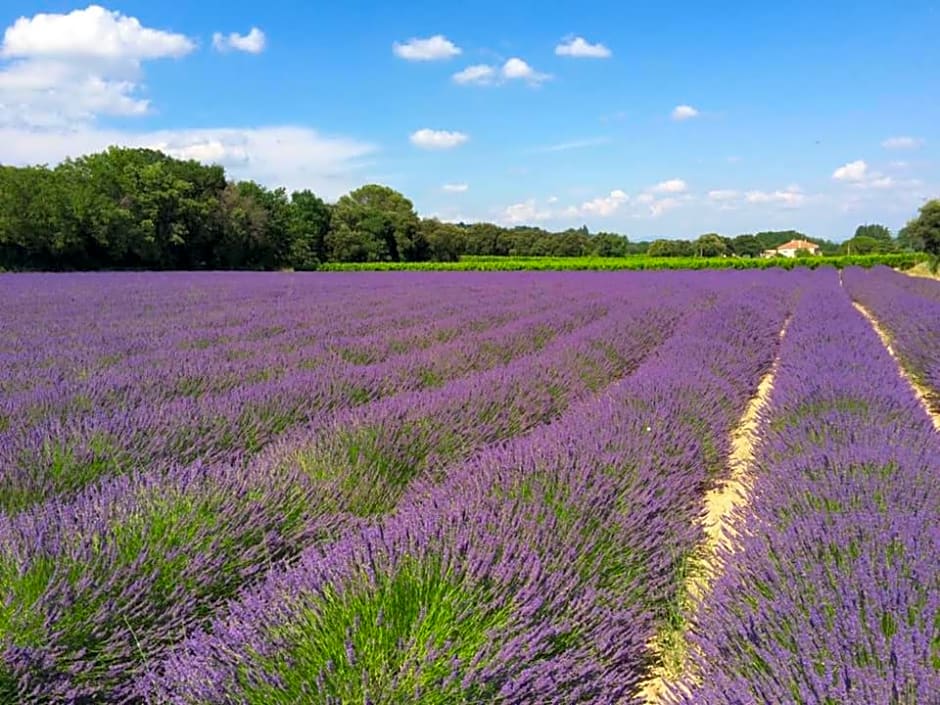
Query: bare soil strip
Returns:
{"type": "Point", "coordinates": [720, 503]}
{"type": "Point", "coordinates": [920, 391]}
{"type": "Point", "coordinates": [920, 270]}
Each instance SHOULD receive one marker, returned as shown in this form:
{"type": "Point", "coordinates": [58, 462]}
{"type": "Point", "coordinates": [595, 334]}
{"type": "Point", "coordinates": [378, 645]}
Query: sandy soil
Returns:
{"type": "Point", "coordinates": [921, 270]}
{"type": "Point", "coordinates": [920, 390]}
{"type": "Point", "coordinates": [720, 505]}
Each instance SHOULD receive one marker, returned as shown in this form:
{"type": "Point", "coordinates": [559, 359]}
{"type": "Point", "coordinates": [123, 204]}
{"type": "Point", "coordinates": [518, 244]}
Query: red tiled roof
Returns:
{"type": "Point", "coordinates": [798, 245]}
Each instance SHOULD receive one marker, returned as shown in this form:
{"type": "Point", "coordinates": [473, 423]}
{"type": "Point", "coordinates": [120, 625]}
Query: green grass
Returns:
{"type": "Point", "coordinates": [405, 636]}
{"type": "Point", "coordinates": [633, 262]}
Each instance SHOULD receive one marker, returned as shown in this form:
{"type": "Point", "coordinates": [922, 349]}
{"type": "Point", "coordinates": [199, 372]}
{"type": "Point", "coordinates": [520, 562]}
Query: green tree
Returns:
{"type": "Point", "coordinates": [874, 231]}
{"type": "Point", "coordinates": [308, 227]}
{"type": "Point", "coordinates": [446, 241]}
{"type": "Point", "coordinates": [710, 245]}
{"type": "Point", "coordinates": [864, 245]}
{"type": "Point", "coordinates": [670, 248]}
{"type": "Point", "coordinates": [609, 245]}
{"type": "Point", "coordinates": [746, 246]}
{"type": "Point", "coordinates": [925, 228]}
{"type": "Point", "coordinates": [376, 223]}
{"type": "Point", "coordinates": [908, 241]}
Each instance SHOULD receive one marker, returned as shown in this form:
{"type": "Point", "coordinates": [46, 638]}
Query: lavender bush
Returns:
{"type": "Point", "coordinates": [832, 594]}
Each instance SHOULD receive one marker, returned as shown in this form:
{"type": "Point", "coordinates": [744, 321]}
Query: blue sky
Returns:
{"type": "Point", "coordinates": [650, 119]}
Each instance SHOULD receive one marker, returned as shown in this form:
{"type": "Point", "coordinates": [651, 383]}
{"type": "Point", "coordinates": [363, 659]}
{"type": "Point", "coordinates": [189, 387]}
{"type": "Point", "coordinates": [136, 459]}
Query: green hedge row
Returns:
{"type": "Point", "coordinates": [467, 264]}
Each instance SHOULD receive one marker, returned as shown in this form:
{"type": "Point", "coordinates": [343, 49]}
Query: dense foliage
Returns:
{"type": "Point", "coordinates": [141, 209]}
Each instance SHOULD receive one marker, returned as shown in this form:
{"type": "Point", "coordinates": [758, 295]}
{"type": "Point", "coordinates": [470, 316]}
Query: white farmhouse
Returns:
{"type": "Point", "coordinates": [789, 249]}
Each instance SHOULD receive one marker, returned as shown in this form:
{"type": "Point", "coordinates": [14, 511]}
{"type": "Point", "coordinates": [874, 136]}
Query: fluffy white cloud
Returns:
{"type": "Point", "coordinates": [517, 69]}
{"type": "Point", "coordinates": [684, 112]}
{"type": "Point", "coordinates": [723, 195]}
{"type": "Point", "coordinates": [514, 69]}
{"type": "Point", "coordinates": [252, 43]}
{"type": "Point", "coordinates": [852, 172]}
{"type": "Point", "coordinates": [605, 205]}
{"type": "Point", "coordinates": [525, 212]}
{"type": "Point", "coordinates": [791, 197]}
{"type": "Point", "coordinates": [455, 188]}
{"type": "Point", "coordinates": [579, 48]}
{"type": "Point", "coordinates": [480, 74]}
{"type": "Point", "coordinates": [670, 186]}
{"type": "Point", "coordinates": [90, 33]}
{"type": "Point", "coordinates": [211, 150]}
{"type": "Point", "coordinates": [64, 69]}
{"type": "Point", "coordinates": [860, 177]}
{"type": "Point", "coordinates": [434, 48]}
{"type": "Point", "coordinates": [902, 143]}
{"type": "Point", "coordinates": [294, 157]}
{"type": "Point", "coordinates": [437, 139]}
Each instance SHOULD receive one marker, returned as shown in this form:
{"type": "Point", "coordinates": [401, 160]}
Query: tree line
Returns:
{"type": "Point", "coordinates": [141, 209]}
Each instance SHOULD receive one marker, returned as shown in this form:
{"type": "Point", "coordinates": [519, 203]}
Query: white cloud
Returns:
{"type": "Point", "coordinates": [882, 182]}
{"type": "Point", "coordinates": [579, 48]}
{"type": "Point", "coordinates": [437, 139]}
{"type": "Point", "coordinates": [65, 69]}
{"type": "Point", "coordinates": [684, 112]}
{"type": "Point", "coordinates": [90, 33]}
{"type": "Point", "coordinates": [434, 48]}
{"type": "Point", "coordinates": [859, 176]}
{"type": "Point", "coordinates": [209, 151]}
{"type": "Point", "coordinates": [525, 212]}
{"type": "Point", "coordinates": [289, 156]}
{"type": "Point", "coordinates": [670, 186]}
{"type": "Point", "coordinates": [902, 143]}
{"type": "Point", "coordinates": [791, 197]}
{"type": "Point", "coordinates": [517, 69]}
{"type": "Point", "coordinates": [852, 172]}
{"type": "Point", "coordinates": [605, 205]}
{"type": "Point", "coordinates": [723, 195]}
{"type": "Point", "coordinates": [480, 74]}
{"type": "Point", "coordinates": [573, 144]}
{"type": "Point", "coordinates": [455, 188]}
{"type": "Point", "coordinates": [252, 43]}
{"type": "Point", "coordinates": [514, 69]}
{"type": "Point", "coordinates": [663, 205]}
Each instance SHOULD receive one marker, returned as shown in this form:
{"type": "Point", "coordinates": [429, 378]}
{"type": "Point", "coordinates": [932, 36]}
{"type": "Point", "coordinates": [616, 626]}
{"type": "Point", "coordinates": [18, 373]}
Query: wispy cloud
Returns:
{"type": "Point", "coordinates": [251, 43]}
{"type": "Point", "coordinates": [573, 144]}
{"type": "Point", "coordinates": [902, 143]}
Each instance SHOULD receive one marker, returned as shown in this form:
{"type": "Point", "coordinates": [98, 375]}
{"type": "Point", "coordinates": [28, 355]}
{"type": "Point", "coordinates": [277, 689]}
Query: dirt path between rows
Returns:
{"type": "Point", "coordinates": [920, 391]}
{"type": "Point", "coordinates": [720, 504]}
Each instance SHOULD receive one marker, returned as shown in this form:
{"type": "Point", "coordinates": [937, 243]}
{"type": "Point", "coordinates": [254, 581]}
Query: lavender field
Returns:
{"type": "Point", "coordinates": [455, 488]}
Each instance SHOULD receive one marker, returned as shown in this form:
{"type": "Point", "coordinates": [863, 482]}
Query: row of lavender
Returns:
{"type": "Point", "coordinates": [120, 432]}
{"type": "Point", "coordinates": [533, 572]}
{"type": "Point", "coordinates": [94, 586]}
{"type": "Point", "coordinates": [832, 593]}
{"type": "Point", "coordinates": [909, 309]}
